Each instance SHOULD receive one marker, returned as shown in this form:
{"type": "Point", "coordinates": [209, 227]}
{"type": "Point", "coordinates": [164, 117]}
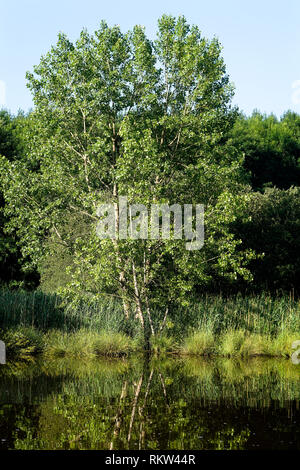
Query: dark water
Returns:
{"type": "Point", "coordinates": [150, 404]}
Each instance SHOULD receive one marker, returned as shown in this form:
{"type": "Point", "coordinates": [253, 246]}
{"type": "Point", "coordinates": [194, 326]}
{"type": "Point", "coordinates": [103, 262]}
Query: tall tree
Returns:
{"type": "Point", "coordinates": [119, 115]}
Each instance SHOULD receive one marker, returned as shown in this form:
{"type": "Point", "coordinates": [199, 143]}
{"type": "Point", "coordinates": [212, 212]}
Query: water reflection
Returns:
{"type": "Point", "coordinates": [150, 404]}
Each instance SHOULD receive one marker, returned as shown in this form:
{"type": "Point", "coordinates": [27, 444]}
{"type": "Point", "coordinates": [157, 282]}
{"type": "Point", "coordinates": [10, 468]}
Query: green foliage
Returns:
{"type": "Point", "coordinates": [22, 342]}
{"type": "Point", "coordinates": [13, 135]}
{"type": "Point", "coordinates": [56, 266]}
{"type": "Point", "coordinates": [271, 148]}
{"type": "Point", "coordinates": [274, 231]}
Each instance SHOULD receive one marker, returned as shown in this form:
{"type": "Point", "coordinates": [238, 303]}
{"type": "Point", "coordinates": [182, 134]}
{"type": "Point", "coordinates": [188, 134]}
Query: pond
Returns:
{"type": "Point", "coordinates": [150, 403]}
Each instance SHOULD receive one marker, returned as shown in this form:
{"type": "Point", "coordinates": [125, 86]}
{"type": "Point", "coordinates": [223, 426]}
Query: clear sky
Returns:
{"type": "Point", "coordinates": [261, 41]}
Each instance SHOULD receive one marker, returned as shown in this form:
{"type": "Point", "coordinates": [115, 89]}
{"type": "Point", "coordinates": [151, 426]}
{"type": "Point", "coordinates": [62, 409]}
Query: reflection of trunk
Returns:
{"type": "Point", "coordinates": [141, 413]}
{"type": "Point", "coordinates": [119, 415]}
{"type": "Point", "coordinates": [136, 396]}
{"type": "Point", "coordinates": [148, 388]}
{"type": "Point", "coordinates": [164, 388]}
{"type": "Point", "coordinates": [142, 435]}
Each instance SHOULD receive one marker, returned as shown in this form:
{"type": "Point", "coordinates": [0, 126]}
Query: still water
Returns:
{"type": "Point", "coordinates": [143, 403]}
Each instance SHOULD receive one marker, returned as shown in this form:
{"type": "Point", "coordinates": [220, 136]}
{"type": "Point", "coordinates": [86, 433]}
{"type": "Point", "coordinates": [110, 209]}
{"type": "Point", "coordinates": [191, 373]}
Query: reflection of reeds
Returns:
{"type": "Point", "coordinates": [255, 382]}
{"type": "Point", "coordinates": [237, 369]}
{"type": "Point", "coordinates": [66, 367]}
{"type": "Point", "coordinates": [191, 375]}
{"type": "Point", "coordinates": [130, 403]}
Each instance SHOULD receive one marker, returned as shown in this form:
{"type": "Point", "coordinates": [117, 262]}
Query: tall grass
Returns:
{"type": "Point", "coordinates": [242, 326]}
{"type": "Point", "coordinates": [239, 343]}
{"type": "Point", "coordinates": [87, 344]}
{"type": "Point", "coordinates": [24, 342]}
{"type": "Point", "coordinates": [262, 314]}
{"type": "Point", "coordinates": [46, 311]}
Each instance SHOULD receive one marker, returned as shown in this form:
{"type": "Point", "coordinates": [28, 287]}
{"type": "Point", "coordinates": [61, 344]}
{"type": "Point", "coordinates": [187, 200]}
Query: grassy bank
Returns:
{"type": "Point", "coordinates": [239, 343]}
{"type": "Point", "coordinates": [33, 323]}
{"type": "Point", "coordinates": [23, 342]}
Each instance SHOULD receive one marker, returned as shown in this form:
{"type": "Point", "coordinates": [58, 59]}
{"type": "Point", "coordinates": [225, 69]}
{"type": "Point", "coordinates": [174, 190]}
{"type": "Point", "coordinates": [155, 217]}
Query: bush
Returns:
{"type": "Point", "coordinates": [22, 342]}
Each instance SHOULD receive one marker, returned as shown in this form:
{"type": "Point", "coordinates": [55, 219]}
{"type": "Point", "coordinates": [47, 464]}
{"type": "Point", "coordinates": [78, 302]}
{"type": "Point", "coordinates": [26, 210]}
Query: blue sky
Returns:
{"type": "Point", "coordinates": [261, 41]}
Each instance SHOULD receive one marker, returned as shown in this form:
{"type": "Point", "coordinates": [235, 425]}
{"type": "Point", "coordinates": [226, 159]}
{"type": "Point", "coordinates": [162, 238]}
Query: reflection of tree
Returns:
{"type": "Point", "coordinates": [139, 428]}
{"type": "Point", "coordinates": [119, 415]}
{"type": "Point", "coordinates": [155, 405]}
{"type": "Point", "coordinates": [141, 413]}
{"type": "Point", "coordinates": [137, 392]}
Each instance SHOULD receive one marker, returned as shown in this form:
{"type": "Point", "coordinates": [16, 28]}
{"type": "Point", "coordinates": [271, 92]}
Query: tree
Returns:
{"type": "Point", "coordinates": [119, 115]}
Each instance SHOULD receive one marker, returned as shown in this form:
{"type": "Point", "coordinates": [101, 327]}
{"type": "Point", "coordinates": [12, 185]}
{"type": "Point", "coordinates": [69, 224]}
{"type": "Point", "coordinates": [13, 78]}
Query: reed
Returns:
{"type": "Point", "coordinates": [35, 322]}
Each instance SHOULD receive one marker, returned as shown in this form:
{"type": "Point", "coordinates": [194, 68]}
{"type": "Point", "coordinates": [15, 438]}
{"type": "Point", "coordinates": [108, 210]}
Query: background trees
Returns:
{"type": "Point", "coordinates": [13, 135]}
{"type": "Point", "coordinates": [271, 148]}
{"type": "Point", "coordinates": [273, 230]}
